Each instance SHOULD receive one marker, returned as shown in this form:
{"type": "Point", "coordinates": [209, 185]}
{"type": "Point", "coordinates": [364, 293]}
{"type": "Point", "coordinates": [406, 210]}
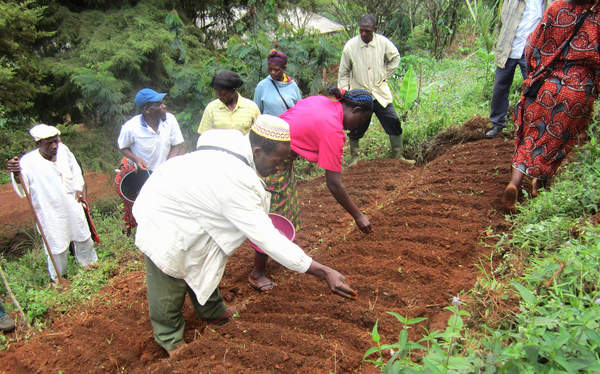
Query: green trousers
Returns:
{"type": "Point", "coordinates": [165, 301]}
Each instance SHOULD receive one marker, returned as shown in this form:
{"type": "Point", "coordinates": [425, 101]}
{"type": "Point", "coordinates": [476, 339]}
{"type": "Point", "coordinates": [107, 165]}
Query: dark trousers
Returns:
{"type": "Point", "coordinates": [502, 82]}
{"type": "Point", "coordinates": [1, 309]}
{"type": "Point", "coordinates": [388, 118]}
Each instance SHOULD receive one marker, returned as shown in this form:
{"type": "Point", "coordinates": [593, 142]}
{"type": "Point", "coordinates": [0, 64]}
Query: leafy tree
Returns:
{"type": "Point", "coordinates": [21, 77]}
{"type": "Point", "coordinates": [444, 17]}
{"type": "Point", "coordinates": [98, 60]}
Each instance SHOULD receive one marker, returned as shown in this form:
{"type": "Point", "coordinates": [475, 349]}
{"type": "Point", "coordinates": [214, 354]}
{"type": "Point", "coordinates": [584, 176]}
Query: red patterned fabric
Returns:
{"type": "Point", "coordinates": [125, 168]}
{"type": "Point", "coordinates": [547, 128]}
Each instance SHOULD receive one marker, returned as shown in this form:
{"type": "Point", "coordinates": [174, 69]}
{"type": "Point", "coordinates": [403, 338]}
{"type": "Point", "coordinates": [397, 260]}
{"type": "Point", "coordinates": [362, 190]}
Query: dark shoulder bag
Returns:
{"type": "Point", "coordinates": [282, 99]}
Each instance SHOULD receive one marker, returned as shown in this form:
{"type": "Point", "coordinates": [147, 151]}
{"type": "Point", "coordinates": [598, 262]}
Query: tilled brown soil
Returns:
{"type": "Point", "coordinates": [428, 225]}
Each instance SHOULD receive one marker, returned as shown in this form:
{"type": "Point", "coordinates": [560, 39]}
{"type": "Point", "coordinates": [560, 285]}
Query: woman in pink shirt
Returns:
{"type": "Point", "coordinates": [317, 132]}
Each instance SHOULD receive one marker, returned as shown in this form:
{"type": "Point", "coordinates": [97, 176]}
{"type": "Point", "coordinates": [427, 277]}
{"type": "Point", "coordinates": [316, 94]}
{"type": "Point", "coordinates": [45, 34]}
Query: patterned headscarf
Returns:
{"type": "Point", "coordinates": [359, 96]}
{"type": "Point", "coordinates": [271, 127]}
{"type": "Point", "coordinates": [277, 58]}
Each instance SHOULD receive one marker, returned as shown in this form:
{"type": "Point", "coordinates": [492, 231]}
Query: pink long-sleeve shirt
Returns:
{"type": "Point", "coordinates": [317, 131]}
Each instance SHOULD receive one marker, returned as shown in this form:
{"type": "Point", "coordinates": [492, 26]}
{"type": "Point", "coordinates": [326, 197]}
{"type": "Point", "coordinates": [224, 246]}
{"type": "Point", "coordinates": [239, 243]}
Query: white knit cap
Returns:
{"type": "Point", "coordinates": [43, 131]}
{"type": "Point", "coordinates": [271, 127]}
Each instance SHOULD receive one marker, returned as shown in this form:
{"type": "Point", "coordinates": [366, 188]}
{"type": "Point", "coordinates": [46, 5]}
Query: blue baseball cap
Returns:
{"type": "Point", "coordinates": [147, 95]}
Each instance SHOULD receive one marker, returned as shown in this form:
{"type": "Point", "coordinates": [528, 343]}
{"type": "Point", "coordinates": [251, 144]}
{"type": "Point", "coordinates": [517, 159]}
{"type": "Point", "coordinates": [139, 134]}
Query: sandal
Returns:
{"type": "Point", "coordinates": [263, 288]}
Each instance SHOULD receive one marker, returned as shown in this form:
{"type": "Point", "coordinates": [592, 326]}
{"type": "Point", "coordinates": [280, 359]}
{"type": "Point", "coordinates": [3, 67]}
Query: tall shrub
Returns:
{"type": "Point", "coordinates": [21, 77]}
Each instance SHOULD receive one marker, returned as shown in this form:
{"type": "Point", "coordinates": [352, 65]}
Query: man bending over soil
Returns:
{"type": "Point", "coordinates": [195, 210]}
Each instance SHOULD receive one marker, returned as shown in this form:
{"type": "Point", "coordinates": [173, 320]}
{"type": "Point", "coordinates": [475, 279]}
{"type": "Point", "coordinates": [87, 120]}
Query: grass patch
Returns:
{"type": "Point", "coordinates": [446, 85]}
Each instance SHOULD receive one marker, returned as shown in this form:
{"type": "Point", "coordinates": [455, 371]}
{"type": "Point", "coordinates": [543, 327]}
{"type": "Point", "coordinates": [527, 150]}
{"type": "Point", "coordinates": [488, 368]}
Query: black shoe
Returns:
{"type": "Point", "coordinates": [493, 132]}
{"type": "Point", "coordinates": [6, 323]}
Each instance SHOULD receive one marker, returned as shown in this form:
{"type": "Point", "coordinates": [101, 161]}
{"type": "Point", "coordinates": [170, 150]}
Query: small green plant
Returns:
{"type": "Point", "coordinates": [406, 93]}
{"type": "Point", "coordinates": [434, 353]}
{"type": "Point", "coordinates": [403, 346]}
{"type": "Point", "coordinates": [484, 19]}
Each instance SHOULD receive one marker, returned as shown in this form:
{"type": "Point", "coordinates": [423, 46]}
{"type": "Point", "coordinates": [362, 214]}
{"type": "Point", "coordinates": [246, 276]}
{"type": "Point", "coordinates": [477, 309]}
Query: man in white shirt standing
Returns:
{"type": "Point", "coordinates": [368, 61]}
{"type": "Point", "coordinates": [153, 136]}
{"type": "Point", "coordinates": [195, 210]}
{"type": "Point", "coordinates": [147, 140]}
{"type": "Point", "coordinates": [56, 186]}
{"type": "Point", "coordinates": [519, 19]}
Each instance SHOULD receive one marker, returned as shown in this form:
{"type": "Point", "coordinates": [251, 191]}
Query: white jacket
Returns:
{"type": "Point", "coordinates": [196, 209]}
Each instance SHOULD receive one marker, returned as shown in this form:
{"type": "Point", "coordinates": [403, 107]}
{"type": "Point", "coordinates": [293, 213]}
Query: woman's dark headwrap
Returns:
{"type": "Point", "coordinates": [277, 58]}
{"type": "Point", "coordinates": [226, 80]}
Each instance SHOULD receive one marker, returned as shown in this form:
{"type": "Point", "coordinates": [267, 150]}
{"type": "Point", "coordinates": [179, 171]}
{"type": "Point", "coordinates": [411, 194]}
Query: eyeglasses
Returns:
{"type": "Point", "coordinates": [156, 104]}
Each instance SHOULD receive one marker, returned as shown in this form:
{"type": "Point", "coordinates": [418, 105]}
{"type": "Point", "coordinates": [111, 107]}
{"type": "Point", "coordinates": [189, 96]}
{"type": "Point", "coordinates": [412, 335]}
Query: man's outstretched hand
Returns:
{"type": "Point", "coordinates": [337, 282]}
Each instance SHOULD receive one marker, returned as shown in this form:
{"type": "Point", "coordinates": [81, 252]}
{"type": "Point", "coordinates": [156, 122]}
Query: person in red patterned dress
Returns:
{"type": "Point", "coordinates": [558, 95]}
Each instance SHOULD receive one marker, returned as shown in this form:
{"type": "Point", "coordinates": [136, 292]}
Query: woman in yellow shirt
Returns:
{"type": "Point", "coordinates": [230, 110]}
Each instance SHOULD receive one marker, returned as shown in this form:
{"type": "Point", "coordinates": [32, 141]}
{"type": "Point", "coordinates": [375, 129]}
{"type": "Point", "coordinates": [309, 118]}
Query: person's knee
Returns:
{"type": "Point", "coordinates": [390, 121]}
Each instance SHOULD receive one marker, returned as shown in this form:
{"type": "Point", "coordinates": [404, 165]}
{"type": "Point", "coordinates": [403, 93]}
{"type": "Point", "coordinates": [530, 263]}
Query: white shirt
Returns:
{"type": "Point", "coordinates": [152, 147]}
{"type": "Point", "coordinates": [52, 186]}
{"type": "Point", "coordinates": [195, 210]}
{"type": "Point", "coordinates": [532, 15]}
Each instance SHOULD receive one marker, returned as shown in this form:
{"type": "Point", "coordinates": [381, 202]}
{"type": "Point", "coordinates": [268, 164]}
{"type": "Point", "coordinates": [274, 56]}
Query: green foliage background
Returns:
{"type": "Point", "coordinates": [67, 62]}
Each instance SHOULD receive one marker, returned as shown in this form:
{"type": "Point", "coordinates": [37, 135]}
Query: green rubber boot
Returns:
{"type": "Point", "coordinates": [397, 146]}
{"type": "Point", "coordinates": [353, 152]}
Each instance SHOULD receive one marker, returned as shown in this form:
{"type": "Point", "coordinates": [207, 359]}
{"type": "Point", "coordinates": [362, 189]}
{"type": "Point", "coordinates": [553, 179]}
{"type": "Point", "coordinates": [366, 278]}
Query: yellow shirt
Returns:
{"type": "Point", "coordinates": [369, 66]}
{"type": "Point", "coordinates": [218, 116]}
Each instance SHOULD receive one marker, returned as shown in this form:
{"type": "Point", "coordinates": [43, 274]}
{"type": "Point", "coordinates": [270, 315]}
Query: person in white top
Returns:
{"type": "Point", "coordinates": [146, 141]}
{"type": "Point", "coordinates": [195, 210]}
{"type": "Point", "coordinates": [56, 186]}
{"type": "Point", "coordinates": [519, 18]}
{"type": "Point", "coordinates": [153, 136]}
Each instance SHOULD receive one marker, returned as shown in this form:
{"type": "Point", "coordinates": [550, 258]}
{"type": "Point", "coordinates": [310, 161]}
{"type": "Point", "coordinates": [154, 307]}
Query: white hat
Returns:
{"type": "Point", "coordinates": [43, 131]}
{"type": "Point", "coordinates": [271, 127]}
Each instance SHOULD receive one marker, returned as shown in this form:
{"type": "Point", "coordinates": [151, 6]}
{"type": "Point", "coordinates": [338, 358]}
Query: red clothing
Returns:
{"type": "Point", "coordinates": [317, 131]}
{"type": "Point", "coordinates": [125, 168]}
{"type": "Point", "coordinates": [547, 128]}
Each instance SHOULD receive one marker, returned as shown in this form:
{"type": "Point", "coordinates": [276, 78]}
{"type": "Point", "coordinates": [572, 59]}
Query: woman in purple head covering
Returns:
{"type": "Point", "coordinates": [278, 91]}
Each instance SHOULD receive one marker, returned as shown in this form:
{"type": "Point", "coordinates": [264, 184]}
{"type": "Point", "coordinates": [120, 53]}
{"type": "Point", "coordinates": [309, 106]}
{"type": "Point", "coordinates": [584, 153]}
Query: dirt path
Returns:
{"type": "Point", "coordinates": [428, 224]}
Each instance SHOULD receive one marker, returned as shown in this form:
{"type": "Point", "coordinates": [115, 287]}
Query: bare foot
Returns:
{"type": "Point", "coordinates": [260, 283]}
{"type": "Point", "coordinates": [229, 312]}
{"type": "Point", "coordinates": [536, 185]}
{"type": "Point", "coordinates": [509, 197]}
{"type": "Point", "coordinates": [177, 351]}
